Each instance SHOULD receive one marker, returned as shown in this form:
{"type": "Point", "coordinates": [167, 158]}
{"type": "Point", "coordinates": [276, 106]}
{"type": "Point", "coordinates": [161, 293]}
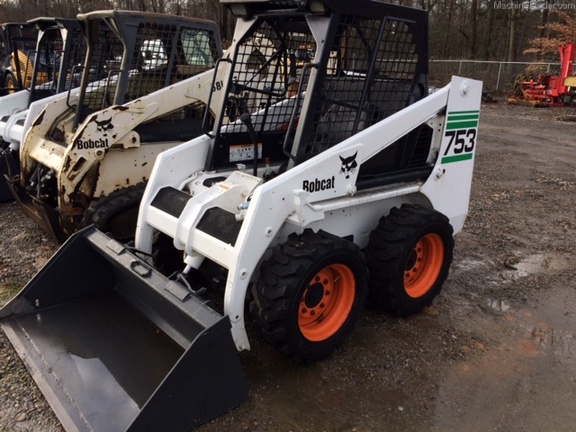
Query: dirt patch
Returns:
{"type": "Point", "coordinates": [496, 348]}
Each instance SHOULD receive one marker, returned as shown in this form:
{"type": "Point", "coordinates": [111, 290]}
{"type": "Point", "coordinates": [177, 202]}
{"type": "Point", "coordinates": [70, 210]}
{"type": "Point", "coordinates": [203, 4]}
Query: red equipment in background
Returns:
{"type": "Point", "coordinates": [552, 90]}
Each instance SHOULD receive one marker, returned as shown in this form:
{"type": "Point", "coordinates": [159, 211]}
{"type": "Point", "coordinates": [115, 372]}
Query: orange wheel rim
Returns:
{"type": "Point", "coordinates": [424, 265]}
{"type": "Point", "coordinates": [326, 302]}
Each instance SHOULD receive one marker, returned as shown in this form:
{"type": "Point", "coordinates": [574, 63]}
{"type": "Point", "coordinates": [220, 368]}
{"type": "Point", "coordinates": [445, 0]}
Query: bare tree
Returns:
{"type": "Point", "coordinates": [473, 28]}
{"type": "Point", "coordinates": [560, 31]}
{"type": "Point", "coordinates": [487, 42]}
{"type": "Point", "coordinates": [512, 35]}
{"type": "Point", "coordinates": [483, 29]}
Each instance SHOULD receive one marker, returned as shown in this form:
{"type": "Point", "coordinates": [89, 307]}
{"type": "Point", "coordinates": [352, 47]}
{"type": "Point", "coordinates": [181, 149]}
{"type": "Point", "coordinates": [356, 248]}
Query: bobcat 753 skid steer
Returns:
{"type": "Point", "coordinates": [84, 164]}
{"type": "Point", "coordinates": [60, 47]}
{"type": "Point", "coordinates": [350, 186]}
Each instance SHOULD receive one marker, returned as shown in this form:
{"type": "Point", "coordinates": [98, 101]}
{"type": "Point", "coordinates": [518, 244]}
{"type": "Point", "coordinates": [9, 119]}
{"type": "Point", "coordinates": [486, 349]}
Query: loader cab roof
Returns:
{"type": "Point", "coordinates": [18, 29]}
{"type": "Point", "coordinates": [42, 23]}
{"type": "Point", "coordinates": [136, 16]}
{"type": "Point", "coordinates": [250, 8]}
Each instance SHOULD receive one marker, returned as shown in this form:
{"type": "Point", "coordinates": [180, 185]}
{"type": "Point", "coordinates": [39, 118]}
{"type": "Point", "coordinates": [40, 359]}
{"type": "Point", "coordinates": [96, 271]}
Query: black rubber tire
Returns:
{"type": "Point", "coordinates": [12, 83]}
{"type": "Point", "coordinates": [294, 276]}
{"type": "Point", "coordinates": [392, 259]}
{"type": "Point", "coordinates": [117, 213]}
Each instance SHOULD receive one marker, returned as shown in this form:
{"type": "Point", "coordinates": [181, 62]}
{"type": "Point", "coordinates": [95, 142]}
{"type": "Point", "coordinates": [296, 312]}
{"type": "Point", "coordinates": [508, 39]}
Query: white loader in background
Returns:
{"type": "Point", "coordinates": [86, 156]}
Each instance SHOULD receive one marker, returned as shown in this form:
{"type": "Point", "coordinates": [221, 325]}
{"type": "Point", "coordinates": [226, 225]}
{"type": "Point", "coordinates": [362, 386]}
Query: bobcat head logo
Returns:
{"type": "Point", "coordinates": [104, 125]}
{"type": "Point", "coordinates": [349, 165]}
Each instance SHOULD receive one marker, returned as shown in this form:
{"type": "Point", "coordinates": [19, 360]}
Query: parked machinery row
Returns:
{"type": "Point", "coordinates": [306, 171]}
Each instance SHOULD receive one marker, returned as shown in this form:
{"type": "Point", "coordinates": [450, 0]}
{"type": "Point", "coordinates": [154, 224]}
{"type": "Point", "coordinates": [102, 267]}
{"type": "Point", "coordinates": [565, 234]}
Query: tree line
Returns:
{"type": "Point", "coordinates": [502, 30]}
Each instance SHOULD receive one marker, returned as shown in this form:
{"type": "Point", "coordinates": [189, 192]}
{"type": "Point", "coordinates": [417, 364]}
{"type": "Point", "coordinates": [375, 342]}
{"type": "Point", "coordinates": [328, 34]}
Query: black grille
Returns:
{"type": "Point", "coordinates": [422, 148]}
{"type": "Point", "coordinates": [161, 55]}
{"type": "Point", "coordinates": [267, 74]}
{"type": "Point", "coordinates": [370, 76]}
{"type": "Point", "coordinates": [268, 69]}
{"type": "Point", "coordinates": [57, 60]}
{"type": "Point", "coordinates": [103, 63]}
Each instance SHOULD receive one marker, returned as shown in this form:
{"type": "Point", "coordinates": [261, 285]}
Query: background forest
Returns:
{"type": "Point", "coordinates": [502, 30]}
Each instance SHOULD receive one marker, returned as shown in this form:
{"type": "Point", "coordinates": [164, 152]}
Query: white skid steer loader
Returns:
{"type": "Point", "coordinates": [349, 185]}
{"type": "Point", "coordinates": [61, 46]}
{"type": "Point", "coordinates": [87, 154]}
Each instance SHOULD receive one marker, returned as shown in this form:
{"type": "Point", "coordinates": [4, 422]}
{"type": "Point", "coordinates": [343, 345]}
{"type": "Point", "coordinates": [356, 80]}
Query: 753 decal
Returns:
{"type": "Point", "coordinates": [461, 131]}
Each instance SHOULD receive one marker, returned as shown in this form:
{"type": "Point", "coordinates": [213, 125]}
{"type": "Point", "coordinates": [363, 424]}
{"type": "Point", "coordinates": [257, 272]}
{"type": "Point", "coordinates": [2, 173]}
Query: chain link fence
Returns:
{"type": "Point", "coordinates": [497, 76]}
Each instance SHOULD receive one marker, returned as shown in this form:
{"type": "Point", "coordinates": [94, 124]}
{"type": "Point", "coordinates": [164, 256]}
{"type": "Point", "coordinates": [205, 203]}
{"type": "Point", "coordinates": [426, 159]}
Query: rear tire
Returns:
{"type": "Point", "coordinates": [12, 83]}
{"type": "Point", "coordinates": [309, 295]}
{"type": "Point", "coordinates": [117, 213]}
{"type": "Point", "coordinates": [409, 256]}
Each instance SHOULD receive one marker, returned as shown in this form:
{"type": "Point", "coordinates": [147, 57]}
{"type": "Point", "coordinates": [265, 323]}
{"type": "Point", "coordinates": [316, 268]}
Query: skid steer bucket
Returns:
{"type": "Point", "coordinates": [116, 346]}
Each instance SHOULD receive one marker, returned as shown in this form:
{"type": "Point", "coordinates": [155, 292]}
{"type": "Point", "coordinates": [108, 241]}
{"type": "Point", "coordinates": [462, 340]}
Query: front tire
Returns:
{"type": "Point", "coordinates": [116, 213]}
{"type": "Point", "coordinates": [309, 295]}
{"type": "Point", "coordinates": [409, 256]}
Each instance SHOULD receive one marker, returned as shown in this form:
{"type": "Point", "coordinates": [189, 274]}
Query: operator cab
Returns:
{"type": "Point", "coordinates": [304, 79]}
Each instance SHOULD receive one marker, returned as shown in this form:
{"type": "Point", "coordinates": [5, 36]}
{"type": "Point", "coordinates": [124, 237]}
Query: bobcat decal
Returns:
{"type": "Point", "coordinates": [349, 165]}
{"type": "Point", "coordinates": [100, 143]}
{"type": "Point", "coordinates": [104, 125]}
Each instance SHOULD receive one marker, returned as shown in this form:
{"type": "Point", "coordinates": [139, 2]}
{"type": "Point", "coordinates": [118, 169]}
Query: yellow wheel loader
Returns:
{"type": "Point", "coordinates": [341, 183]}
{"type": "Point", "coordinates": [86, 156]}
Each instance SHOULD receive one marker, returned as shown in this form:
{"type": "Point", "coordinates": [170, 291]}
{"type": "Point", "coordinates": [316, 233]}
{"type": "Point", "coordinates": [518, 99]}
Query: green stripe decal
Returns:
{"type": "Point", "coordinates": [463, 115]}
{"type": "Point", "coordinates": [463, 157]}
{"type": "Point", "coordinates": [466, 124]}
{"type": "Point", "coordinates": [464, 112]}
{"type": "Point", "coordinates": [463, 125]}
{"type": "Point", "coordinates": [453, 117]}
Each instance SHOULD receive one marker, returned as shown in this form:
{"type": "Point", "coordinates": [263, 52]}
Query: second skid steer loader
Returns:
{"type": "Point", "coordinates": [346, 186]}
{"type": "Point", "coordinates": [82, 163]}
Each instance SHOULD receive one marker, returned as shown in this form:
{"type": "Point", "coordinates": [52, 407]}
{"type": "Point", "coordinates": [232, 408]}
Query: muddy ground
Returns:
{"type": "Point", "coordinates": [495, 352]}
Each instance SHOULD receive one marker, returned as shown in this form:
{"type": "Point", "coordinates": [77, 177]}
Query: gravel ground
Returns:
{"type": "Point", "coordinates": [24, 250]}
{"type": "Point", "coordinates": [494, 352]}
